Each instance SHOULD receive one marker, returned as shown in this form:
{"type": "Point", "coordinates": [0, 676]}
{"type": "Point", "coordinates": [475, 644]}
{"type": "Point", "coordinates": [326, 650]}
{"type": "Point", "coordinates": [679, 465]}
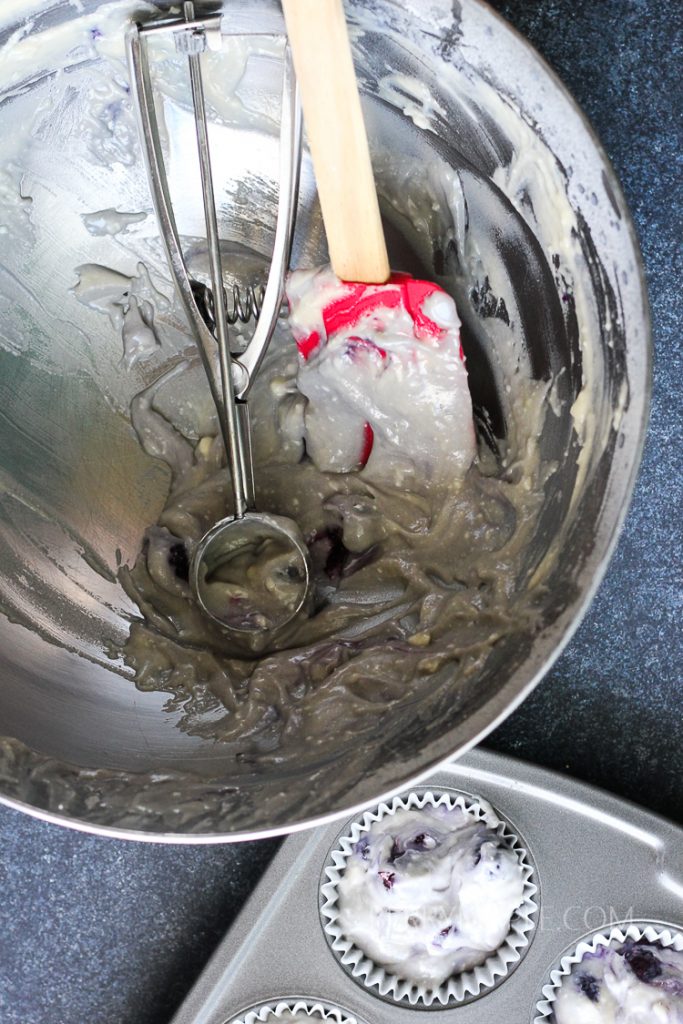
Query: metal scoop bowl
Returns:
{"type": "Point", "coordinates": [251, 574]}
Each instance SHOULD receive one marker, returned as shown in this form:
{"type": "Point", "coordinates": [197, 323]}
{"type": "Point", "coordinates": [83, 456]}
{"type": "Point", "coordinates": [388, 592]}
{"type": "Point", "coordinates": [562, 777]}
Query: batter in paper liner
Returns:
{"type": "Point", "coordinates": [635, 983]}
{"type": "Point", "coordinates": [298, 1017]}
{"type": "Point", "coordinates": [429, 893]}
{"type": "Point", "coordinates": [417, 542]}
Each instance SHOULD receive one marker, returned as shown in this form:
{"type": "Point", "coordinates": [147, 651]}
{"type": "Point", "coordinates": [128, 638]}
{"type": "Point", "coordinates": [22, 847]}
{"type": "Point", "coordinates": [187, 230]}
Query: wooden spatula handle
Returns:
{"type": "Point", "coordinates": [337, 139]}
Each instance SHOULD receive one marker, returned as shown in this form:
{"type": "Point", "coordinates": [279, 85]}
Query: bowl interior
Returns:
{"type": "Point", "coordinates": [490, 183]}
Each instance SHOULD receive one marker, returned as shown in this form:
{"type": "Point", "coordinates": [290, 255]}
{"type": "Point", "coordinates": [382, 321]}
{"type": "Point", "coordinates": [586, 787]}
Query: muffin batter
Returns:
{"type": "Point", "coordinates": [300, 1017]}
{"type": "Point", "coordinates": [429, 893]}
{"type": "Point", "coordinates": [415, 549]}
{"type": "Point", "coordinates": [636, 983]}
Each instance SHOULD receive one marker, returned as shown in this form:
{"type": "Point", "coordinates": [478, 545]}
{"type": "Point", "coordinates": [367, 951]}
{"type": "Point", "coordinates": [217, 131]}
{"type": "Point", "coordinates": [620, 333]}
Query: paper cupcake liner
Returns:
{"type": "Point", "coordinates": [459, 987]}
{"type": "Point", "coordinates": [314, 1009]}
{"type": "Point", "coordinates": [668, 936]}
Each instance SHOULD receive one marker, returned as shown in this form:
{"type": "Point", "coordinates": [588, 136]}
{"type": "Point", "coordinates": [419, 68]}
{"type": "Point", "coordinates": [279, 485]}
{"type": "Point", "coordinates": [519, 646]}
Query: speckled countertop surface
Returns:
{"type": "Point", "coordinates": [105, 932]}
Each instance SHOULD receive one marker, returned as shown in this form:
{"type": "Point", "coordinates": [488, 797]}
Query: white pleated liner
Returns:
{"type": "Point", "coordinates": [269, 1013]}
{"type": "Point", "coordinates": [458, 987]}
{"type": "Point", "coordinates": [668, 937]}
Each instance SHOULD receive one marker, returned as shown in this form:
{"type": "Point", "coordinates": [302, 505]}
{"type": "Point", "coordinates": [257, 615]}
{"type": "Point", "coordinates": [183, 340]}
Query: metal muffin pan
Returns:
{"type": "Point", "coordinates": [599, 861]}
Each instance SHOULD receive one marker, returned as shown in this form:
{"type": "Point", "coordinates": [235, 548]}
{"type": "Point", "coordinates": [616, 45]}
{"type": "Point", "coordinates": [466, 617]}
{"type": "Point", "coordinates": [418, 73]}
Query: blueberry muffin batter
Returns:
{"type": "Point", "coordinates": [428, 893]}
{"type": "Point", "coordinates": [633, 983]}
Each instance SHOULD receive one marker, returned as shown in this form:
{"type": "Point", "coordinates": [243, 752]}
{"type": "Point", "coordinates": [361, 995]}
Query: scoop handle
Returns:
{"type": "Point", "coordinates": [337, 139]}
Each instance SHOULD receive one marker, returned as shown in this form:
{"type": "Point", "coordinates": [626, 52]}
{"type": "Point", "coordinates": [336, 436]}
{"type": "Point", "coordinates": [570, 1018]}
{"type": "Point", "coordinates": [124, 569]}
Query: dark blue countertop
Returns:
{"type": "Point", "coordinates": [106, 932]}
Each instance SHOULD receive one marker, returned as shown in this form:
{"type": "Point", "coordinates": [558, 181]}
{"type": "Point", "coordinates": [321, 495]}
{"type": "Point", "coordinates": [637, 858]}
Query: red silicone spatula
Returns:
{"type": "Point", "coordinates": [347, 315]}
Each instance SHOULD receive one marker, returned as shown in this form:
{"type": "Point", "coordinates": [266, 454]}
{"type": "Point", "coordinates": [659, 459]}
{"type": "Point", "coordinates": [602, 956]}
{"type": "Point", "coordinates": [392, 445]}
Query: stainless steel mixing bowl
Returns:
{"type": "Point", "coordinates": [532, 237]}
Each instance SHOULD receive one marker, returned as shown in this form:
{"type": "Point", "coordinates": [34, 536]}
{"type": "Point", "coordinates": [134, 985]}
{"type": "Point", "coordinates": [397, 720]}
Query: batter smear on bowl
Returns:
{"type": "Point", "coordinates": [417, 539]}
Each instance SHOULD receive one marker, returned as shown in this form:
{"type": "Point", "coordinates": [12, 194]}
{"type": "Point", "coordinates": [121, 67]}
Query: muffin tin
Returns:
{"type": "Point", "coordinates": [598, 862]}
